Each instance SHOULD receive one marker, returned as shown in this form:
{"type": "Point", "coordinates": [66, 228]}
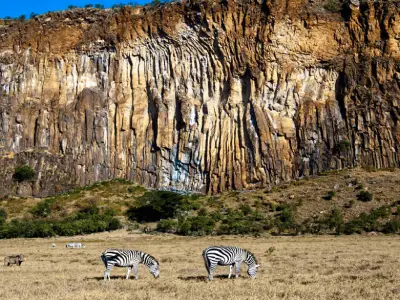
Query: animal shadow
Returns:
{"type": "Point", "coordinates": [203, 278]}
{"type": "Point", "coordinates": [101, 278]}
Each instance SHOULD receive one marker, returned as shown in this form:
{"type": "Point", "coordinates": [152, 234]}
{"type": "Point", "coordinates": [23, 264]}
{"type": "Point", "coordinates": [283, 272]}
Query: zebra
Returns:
{"type": "Point", "coordinates": [130, 259]}
{"type": "Point", "coordinates": [229, 256]}
{"type": "Point", "coordinates": [75, 245]}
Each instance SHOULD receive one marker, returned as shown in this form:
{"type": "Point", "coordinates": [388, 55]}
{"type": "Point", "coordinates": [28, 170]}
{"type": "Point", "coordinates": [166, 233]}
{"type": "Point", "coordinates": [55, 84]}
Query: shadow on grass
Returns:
{"type": "Point", "coordinates": [101, 278]}
{"type": "Point", "coordinates": [204, 278]}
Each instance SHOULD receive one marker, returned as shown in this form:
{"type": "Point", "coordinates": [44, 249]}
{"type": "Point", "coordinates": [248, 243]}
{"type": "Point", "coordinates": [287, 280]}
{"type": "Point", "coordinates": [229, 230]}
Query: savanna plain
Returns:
{"type": "Point", "coordinates": [302, 267]}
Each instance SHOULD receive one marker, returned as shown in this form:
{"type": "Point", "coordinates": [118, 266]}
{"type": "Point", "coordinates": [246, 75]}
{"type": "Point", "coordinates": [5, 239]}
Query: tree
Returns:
{"type": "Point", "coordinates": [23, 173]}
{"type": "Point", "coordinates": [88, 5]}
{"type": "Point", "coordinates": [99, 6]}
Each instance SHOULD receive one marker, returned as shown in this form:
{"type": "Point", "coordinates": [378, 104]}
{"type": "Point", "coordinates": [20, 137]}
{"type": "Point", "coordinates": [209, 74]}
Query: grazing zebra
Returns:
{"type": "Point", "coordinates": [130, 259]}
{"type": "Point", "coordinates": [229, 256]}
{"type": "Point", "coordinates": [74, 245]}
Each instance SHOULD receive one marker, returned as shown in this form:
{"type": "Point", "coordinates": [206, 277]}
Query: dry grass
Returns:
{"type": "Point", "coordinates": [322, 267]}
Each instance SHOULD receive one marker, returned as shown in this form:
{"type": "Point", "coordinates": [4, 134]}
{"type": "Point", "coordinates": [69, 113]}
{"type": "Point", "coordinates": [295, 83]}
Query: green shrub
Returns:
{"type": "Point", "coordinates": [285, 220]}
{"type": "Point", "coordinates": [168, 225]}
{"type": "Point", "coordinates": [136, 189]}
{"type": "Point", "coordinates": [368, 222]}
{"type": "Point", "coordinates": [199, 225]}
{"type": "Point", "coordinates": [392, 226]}
{"type": "Point", "coordinates": [23, 173]}
{"type": "Point", "coordinates": [184, 228]}
{"type": "Point", "coordinates": [3, 213]}
{"type": "Point", "coordinates": [88, 220]}
{"type": "Point", "coordinates": [3, 216]}
{"type": "Point", "coordinates": [335, 221]}
{"type": "Point", "coordinates": [329, 195]}
{"type": "Point", "coordinates": [343, 146]}
{"type": "Point", "coordinates": [202, 212]}
{"type": "Point", "coordinates": [364, 196]}
{"type": "Point", "coordinates": [156, 205]}
{"type": "Point", "coordinates": [42, 209]}
{"type": "Point", "coordinates": [349, 204]}
{"type": "Point", "coordinates": [333, 6]}
{"type": "Point", "coordinates": [246, 209]}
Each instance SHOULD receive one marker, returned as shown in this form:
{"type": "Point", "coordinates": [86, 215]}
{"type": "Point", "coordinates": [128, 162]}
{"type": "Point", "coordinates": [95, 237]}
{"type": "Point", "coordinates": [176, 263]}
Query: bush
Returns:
{"type": "Point", "coordinates": [333, 6]}
{"type": "Point", "coordinates": [343, 146]}
{"type": "Point", "coordinates": [3, 215]}
{"type": "Point", "coordinates": [364, 196]}
{"type": "Point", "coordinates": [169, 226]}
{"type": "Point", "coordinates": [368, 222]}
{"type": "Point", "coordinates": [392, 226]}
{"type": "Point", "coordinates": [335, 221]}
{"type": "Point", "coordinates": [200, 225]}
{"type": "Point", "coordinates": [136, 189]}
{"type": "Point", "coordinates": [246, 209]}
{"type": "Point", "coordinates": [156, 205]}
{"type": "Point", "coordinates": [99, 6]}
{"type": "Point", "coordinates": [84, 222]}
{"type": "Point", "coordinates": [329, 195]}
{"type": "Point", "coordinates": [42, 209]}
{"type": "Point", "coordinates": [23, 173]}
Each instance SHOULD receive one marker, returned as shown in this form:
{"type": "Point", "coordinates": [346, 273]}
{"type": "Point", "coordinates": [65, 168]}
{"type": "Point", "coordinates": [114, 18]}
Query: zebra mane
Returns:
{"type": "Point", "coordinates": [153, 258]}
{"type": "Point", "coordinates": [252, 255]}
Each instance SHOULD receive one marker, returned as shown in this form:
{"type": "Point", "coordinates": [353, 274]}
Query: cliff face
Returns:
{"type": "Point", "coordinates": [206, 96]}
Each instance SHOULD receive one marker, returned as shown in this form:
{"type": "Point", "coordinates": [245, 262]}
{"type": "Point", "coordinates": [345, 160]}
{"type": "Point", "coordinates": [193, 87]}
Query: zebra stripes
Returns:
{"type": "Point", "coordinates": [130, 259]}
{"type": "Point", "coordinates": [74, 245]}
{"type": "Point", "coordinates": [229, 256]}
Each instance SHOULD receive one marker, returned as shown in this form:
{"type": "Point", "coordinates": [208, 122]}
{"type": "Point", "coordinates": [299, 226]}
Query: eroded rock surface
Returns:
{"type": "Point", "coordinates": [203, 96]}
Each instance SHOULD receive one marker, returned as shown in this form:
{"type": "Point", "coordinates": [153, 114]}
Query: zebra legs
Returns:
{"type": "Point", "coordinates": [107, 272]}
{"type": "Point", "coordinates": [210, 270]}
{"type": "Point", "coordinates": [237, 269]}
{"type": "Point", "coordinates": [230, 270]}
{"type": "Point", "coordinates": [129, 272]}
{"type": "Point", "coordinates": [135, 271]}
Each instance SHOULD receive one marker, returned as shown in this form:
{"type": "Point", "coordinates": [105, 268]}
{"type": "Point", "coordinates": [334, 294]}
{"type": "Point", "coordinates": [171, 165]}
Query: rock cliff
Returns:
{"type": "Point", "coordinates": [202, 96]}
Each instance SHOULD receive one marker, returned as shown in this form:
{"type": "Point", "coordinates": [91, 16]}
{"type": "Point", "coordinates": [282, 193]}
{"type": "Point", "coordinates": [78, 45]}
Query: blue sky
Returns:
{"type": "Point", "coordinates": [15, 8]}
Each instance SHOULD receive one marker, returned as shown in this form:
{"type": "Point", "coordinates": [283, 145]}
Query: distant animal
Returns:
{"type": "Point", "coordinates": [75, 245]}
{"type": "Point", "coordinates": [229, 256]}
{"type": "Point", "coordinates": [14, 260]}
{"type": "Point", "coordinates": [130, 259]}
{"type": "Point", "coordinates": [53, 245]}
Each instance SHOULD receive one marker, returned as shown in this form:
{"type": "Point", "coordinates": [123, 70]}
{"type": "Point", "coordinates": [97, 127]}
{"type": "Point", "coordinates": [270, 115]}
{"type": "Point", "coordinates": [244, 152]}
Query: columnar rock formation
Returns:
{"type": "Point", "coordinates": [202, 96]}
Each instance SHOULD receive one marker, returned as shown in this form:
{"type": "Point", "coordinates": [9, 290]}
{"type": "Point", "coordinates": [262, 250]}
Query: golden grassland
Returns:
{"type": "Point", "coordinates": [303, 267]}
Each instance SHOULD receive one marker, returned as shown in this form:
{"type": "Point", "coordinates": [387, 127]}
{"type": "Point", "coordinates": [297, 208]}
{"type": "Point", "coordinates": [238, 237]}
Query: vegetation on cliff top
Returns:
{"type": "Point", "coordinates": [358, 202]}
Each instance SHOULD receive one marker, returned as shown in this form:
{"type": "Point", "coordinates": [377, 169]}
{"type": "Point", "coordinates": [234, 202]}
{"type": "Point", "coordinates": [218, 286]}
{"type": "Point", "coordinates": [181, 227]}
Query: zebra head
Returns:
{"type": "Point", "coordinates": [154, 269]}
{"type": "Point", "coordinates": [252, 271]}
{"type": "Point", "coordinates": [251, 261]}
